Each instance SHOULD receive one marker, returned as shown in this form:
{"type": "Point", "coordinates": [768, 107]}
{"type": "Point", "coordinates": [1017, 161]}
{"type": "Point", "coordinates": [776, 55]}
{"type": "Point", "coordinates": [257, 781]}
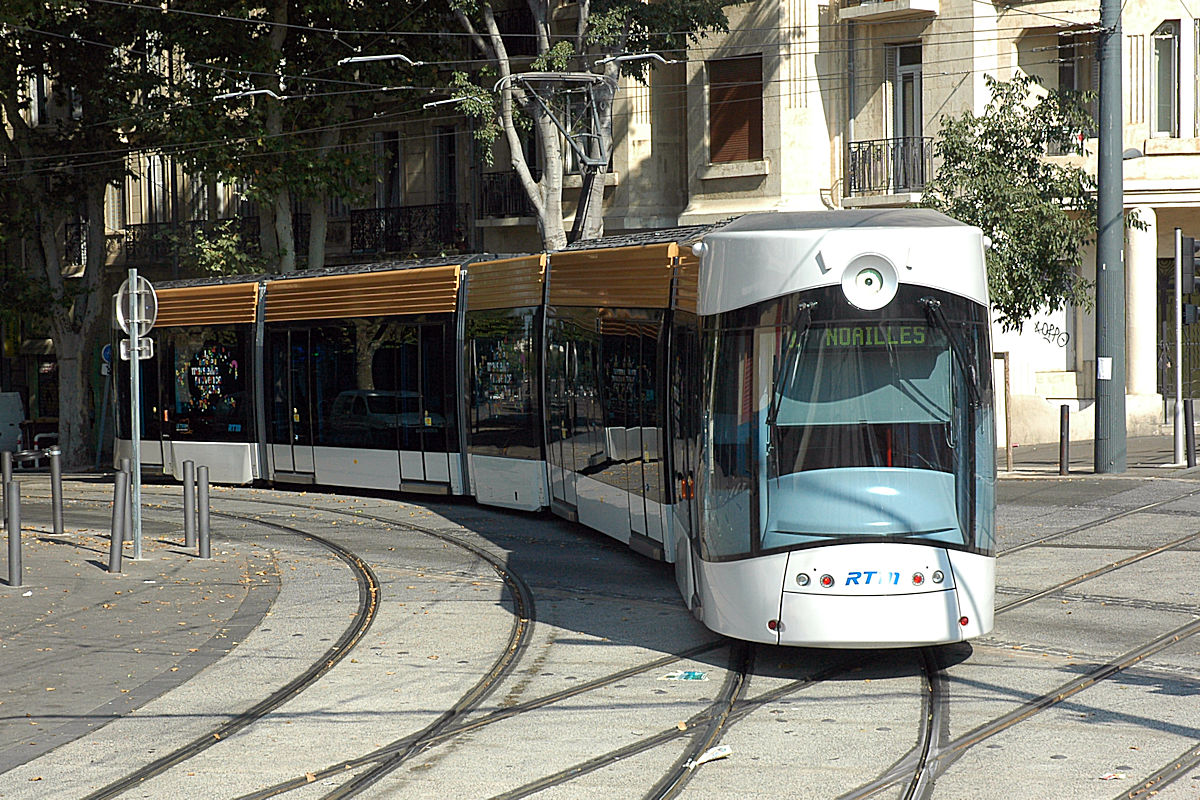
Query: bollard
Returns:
{"type": "Point", "coordinates": [126, 504]}
{"type": "Point", "coordinates": [1064, 440]}
{"type": "Point", "coordinates": [56, 497]}
{"type": "Point", "coordinates": [116, 535]}
{"type": "Point", "coordinates": [1189, 431]}
{"type": "Point", "coordinates": [205, 544]}
{"type": "Point", "coordinates": [5, 479]}
{"type": "Point", "coordinates": [12, 503]}
{"type": "Point", "coordinates": [189, 504]}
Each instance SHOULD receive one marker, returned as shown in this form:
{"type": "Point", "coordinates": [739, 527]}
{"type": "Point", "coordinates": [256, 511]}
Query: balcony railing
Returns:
{"type": "Point", "coordinates": [501, 195]}
{"type": "Point", "coordinates": [888, 166]}
{"type": "Point", "coordinates": [75, 252]}
{"type": "Point", "coordinates": [155, 243]}
{"type": "Point", "coordinates": [420, 230]}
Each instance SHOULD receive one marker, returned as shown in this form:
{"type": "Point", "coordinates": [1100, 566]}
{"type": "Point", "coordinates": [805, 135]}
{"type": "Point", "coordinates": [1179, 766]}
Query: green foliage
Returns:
{"type": "Point", "coordinates": [1038, 212]}
{"type": "Point", "coordinates": [665, 27]}
{"type": "Point", "coordinates": [218, 249]}
{"type": "Point", "coordinates": [479, 105]}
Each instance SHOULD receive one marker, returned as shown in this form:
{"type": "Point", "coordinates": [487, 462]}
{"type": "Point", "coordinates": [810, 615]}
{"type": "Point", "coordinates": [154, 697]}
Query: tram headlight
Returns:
{"type": "Point", "coordinates": [802, 579]}
{"type": "Point", "coordinates": [937, 576]}
{"type": "Point", "coordinates": [869, 281]}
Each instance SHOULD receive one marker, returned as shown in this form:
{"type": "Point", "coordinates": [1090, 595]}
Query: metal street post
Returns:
{"type": "Point", "coordinates": [1178, 348]}
{"type": "Point", "coordinates": [135, 405]}
{"type": "Point", "coordinates": [1110, 445]}
{"type": "Point", "coordinates": [137, 310]}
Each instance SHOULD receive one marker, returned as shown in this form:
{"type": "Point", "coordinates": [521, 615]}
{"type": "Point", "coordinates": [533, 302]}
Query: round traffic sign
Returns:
{"type": "Point", "coordinates": [140, 304]}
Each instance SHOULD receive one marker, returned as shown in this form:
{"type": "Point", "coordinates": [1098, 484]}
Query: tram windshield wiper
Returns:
{"type": "Point", "coordinates": [933, 310]}
{"type": "Point", "coordinates": [797, 336]}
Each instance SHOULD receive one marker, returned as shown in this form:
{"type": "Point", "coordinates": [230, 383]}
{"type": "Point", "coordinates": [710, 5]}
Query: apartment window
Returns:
{"type": "Point", "coordinates": [447, 164]}
{"type": "Point", "coordinates": [389, 192]}
{"type": "Point", "coordinates": [39, 99]}
{"type": "Point", "coordinates": [905, 66]}
{"type": "Point", "coordinates": [114, 207]}
{"type": "Point", "coordinates": [735, 109]}
{"type": "Point", "coordinates": [1166, 79]}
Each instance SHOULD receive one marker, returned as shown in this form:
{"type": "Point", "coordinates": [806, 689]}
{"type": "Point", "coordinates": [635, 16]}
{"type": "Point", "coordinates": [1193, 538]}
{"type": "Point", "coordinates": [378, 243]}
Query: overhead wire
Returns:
{"type": "Point", "coordinates": [182, 149]}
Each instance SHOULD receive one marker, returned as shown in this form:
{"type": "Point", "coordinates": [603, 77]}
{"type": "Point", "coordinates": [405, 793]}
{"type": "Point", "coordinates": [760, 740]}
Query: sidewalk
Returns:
{"type": "Point", "coordinates": [1146, 456]}
{"type": "Point", "coordinates": [80, 647]}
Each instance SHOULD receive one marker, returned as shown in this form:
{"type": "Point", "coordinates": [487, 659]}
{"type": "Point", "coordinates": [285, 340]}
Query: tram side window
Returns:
{"type": "Point", "coordinates": [727, 501]}
{"type": "Point", "coordinates": [502, 384]}
{"type": "Point", "coordinates": [208, 397]}
{"type": "Point", "coordinates": [383, 384]}
{"type": "Point", "coordinates": [340, 415]}
{"type": "Point", "coordinates": [573, 391]}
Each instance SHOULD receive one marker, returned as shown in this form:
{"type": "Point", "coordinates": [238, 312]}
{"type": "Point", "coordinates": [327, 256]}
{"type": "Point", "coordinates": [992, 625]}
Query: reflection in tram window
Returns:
{"type": "Point", "coordinates": [377, 383]}
{"type": "Point", "coordinates": [728, 507]}
{"type": "Point", "coordinates": [207, 384]}
{"type": "Point", "coordinates": [502, 384]}
{"type": "Point", "coordinates": [860, 437]}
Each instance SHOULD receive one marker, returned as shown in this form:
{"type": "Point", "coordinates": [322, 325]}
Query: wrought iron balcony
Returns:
{"type": "Point", "coordinates": [501, 195]}
{"type": "Point", "coordinates": [155, 243]}
{"type": "Point", "coordinates": [888, 166]}
{"type": "Point", "coordinates": [75, 252]}
{"type": "Point", "coordinates": [420, 230]}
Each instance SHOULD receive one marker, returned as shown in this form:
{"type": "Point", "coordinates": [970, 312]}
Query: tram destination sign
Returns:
{"type": "Point", "coordinates": [875, 335]}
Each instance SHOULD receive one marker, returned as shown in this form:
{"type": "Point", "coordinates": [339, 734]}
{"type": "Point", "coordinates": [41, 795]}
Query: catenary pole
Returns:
{"type": "Point", "coordinates": [1110, 445]}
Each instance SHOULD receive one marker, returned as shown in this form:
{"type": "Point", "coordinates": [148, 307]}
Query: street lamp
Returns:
{"type": "Point", "coordinates": [388, 57]}
{"type": "Point", "coordinates": [249, 93]}
{"type": "Point", "coordinates": [636, 57]}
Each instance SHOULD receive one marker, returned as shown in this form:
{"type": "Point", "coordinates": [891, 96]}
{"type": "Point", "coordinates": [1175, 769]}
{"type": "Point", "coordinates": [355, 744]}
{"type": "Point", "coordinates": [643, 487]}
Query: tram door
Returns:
{"type": "Point", "coordinates": [291, 383]}
{"type": "Point", "coordinates": [562, 371]}
{"type": "Point", "coordinates": [424, 371]}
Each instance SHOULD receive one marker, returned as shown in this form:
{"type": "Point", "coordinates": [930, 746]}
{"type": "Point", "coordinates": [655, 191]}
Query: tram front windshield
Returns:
{"type": "Point", "coordinates": [829, 423]}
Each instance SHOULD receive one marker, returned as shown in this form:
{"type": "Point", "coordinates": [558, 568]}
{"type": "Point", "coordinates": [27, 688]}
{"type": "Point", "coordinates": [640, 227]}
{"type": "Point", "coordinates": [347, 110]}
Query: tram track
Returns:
{"type": "Point", "coordinates": [450, 724]}
{"type": "Point", "coordinates": [369, 599]}
{"type": "Point", "coordinates": [920, 770]}
{"type": "Point", "coordinates": [915, 772]}
{"type": "Point", "coordinates": [953, 749]}
{"type": "Point", "coordinates": [1113, 517]}
{"type": "Point", "coordinates": [363, 616]}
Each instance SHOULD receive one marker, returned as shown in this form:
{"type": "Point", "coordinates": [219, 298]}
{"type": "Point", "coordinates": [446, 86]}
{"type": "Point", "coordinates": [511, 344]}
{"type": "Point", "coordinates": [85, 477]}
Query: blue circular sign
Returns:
{"type": "Point", "coordinates": [106, 354]}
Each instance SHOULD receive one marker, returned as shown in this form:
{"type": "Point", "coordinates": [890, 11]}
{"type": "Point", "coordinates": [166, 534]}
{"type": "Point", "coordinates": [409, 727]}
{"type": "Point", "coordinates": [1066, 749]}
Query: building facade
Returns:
{"type": "Point", "coordinates": [799, 106]}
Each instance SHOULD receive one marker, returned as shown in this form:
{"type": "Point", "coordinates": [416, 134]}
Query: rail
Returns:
{"type": "Point", "coordinates": [501, 195]}
{"type": "Point", "coordinates": [888, 166]}
{"type": "Point", "coordinates": [417, 229]}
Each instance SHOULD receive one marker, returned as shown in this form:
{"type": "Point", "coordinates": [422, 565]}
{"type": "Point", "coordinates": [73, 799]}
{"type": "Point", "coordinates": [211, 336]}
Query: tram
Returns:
{"type": "Point", "coordinates": [795, 409]}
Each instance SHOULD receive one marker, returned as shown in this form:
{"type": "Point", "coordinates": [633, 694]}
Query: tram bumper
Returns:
{"type": "Point", "coordinates": [885, 595]}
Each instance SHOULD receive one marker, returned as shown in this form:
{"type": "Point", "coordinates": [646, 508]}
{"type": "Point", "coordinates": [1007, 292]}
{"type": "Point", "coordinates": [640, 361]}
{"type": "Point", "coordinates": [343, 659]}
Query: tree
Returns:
{"type": "Point", "coordinates": [602, 28]}
{"type": "Point", "coordinates": [1038, 212]}
{"type": "Point", "coordinates": [258, 98]}
{"type": "Point", "coordinates": [69, 76]}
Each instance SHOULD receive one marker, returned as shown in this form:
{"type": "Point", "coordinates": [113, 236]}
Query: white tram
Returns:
{"type": "Point", "coordinates": [795, 409]}
{"type": "Point", "coordinates": [847, 464]}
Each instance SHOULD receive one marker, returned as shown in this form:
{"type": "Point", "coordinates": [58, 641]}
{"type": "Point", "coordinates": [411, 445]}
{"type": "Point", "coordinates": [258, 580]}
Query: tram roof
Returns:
{"type": "Point", "coordinates": [794, 251]}
{"type": "Point", "coordinates": [842, 218]}
{"type": "Point", "coordinates": [341, 269]}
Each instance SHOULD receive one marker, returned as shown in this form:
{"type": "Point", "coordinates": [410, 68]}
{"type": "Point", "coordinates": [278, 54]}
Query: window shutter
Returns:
{"type": "Point", "coordinates": [735, 109]}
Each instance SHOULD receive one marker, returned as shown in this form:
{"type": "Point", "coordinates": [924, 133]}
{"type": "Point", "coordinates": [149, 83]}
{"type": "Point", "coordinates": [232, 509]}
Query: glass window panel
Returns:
{"type": "Point", "coordinates": [502, 384]}
{"type": "Point", "coordinates": [209, 397]}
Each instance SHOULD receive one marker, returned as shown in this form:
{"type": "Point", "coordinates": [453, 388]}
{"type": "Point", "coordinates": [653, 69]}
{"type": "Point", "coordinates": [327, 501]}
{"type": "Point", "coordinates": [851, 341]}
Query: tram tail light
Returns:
{"type": "Point", "coordinates": [963, 621]}
{"type": "Point", "coordinates": [827, 581]}
{"type": "Point", "coordinates": [918, 578]}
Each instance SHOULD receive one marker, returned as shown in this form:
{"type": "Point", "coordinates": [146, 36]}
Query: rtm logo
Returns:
{"type": "Point", "coordinates": [872, 577]}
